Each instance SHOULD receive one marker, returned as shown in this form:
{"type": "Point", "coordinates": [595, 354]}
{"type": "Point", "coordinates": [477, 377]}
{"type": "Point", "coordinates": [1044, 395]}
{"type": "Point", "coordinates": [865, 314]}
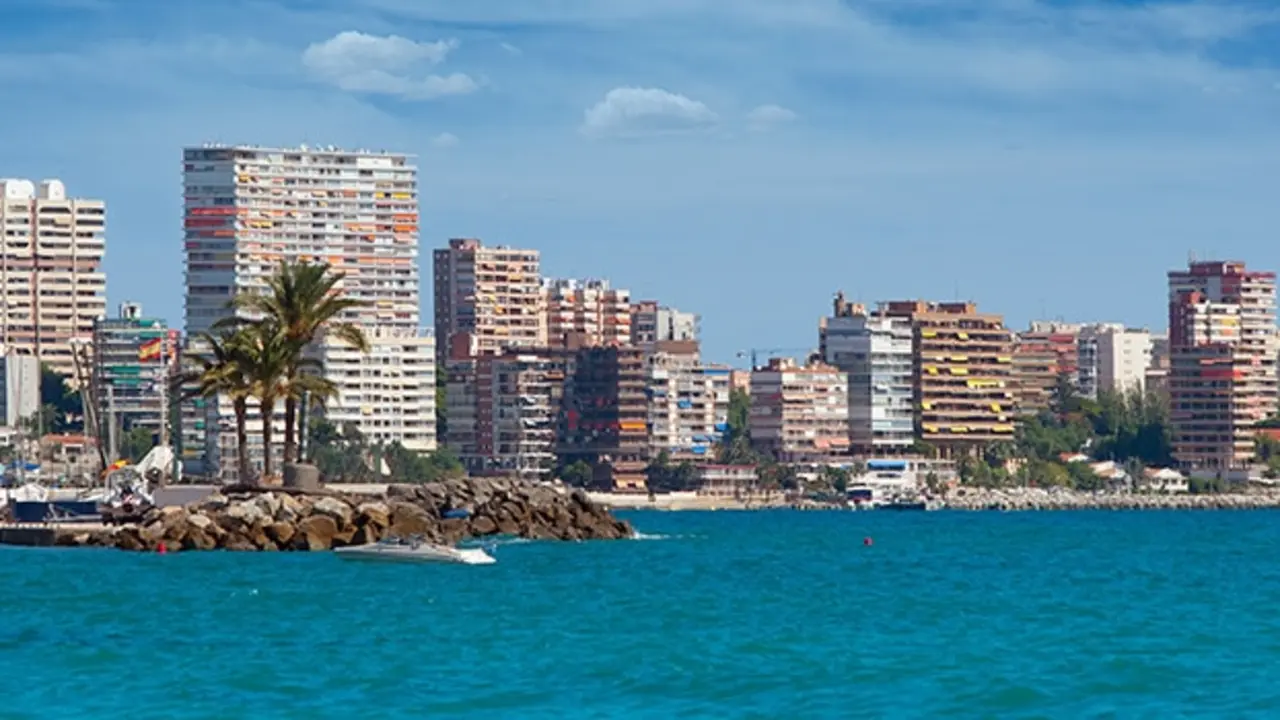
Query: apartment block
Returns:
{"type": "Point", "coordinates": [19, 388]}
{"type": "Point", "coordinates": [508, 406]}
{"type": "Point", "coordinates": [876, 353]}
{"type": "Point", "coordinates": [1042, 357]}
{"type": "Point", "coordinates": [487, 299]}
{"type": "Point", "coordinates": [800, 413]}
{"type": "Point", "coordinates": [1113, 358]}
{"type": "Point", "coordinates": [388, 394]}
{"type": "Point", "coordinates": [133, 360]}
{"type": "Point", "coordinates": [52, 280]}
{"type": "Point", "coordinates": [588, 309]}
{"type": "Point", "coordinates": [1156, 378]}
{"type": "Point", "coordinates": [250, 208]}
{"type": "Point", "coordinates": [688, 406]}
{"type": "Point", "coordinates": [653, 323]}
{"type": "Point", "coordinates": [965, 387]}
{"type": "Point", "coordinates": [1222, 375]}
{"type": "Point", "coordinates": [603, 419]}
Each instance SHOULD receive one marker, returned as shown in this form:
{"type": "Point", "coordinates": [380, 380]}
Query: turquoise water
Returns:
{"type": "Point", "coordinates": [762, 615]}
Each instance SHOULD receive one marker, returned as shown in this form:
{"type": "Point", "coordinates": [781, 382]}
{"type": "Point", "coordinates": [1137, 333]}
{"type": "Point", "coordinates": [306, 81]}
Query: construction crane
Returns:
{"type": "Point", "coordinates": [754, 353]}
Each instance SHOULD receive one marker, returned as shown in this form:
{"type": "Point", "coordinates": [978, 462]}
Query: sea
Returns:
{"type": "Point", "coordinates": [765, 614]}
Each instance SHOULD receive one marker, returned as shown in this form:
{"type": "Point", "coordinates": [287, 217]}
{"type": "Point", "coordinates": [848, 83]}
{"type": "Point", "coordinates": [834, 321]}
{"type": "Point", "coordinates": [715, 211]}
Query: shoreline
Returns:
{"type": "Point", "coordinates": [966, 500]}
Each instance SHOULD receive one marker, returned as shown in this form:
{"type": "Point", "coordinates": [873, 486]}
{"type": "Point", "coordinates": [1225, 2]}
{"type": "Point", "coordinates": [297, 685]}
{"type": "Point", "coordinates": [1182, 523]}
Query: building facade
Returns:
{"type": "Point", "coordinates": [1043, 357]}
{"type": "Point", "coordinates": [249, 208]}
{"type": "Point", "coordinates": [1113, 358]}
{"type": "Point", "coordinates": [876, 353]}
{"type": "Point", "coordinates": [653, 323]}
{"type": "Point", "coordinates": [508, 408]}
{"type": "Point", "coordinates": [388, 394]}
{"type": "Point", "coordinates": [20, 394]}
{"type": "Point", "coordinates": [52, 280]}
{"type": "Point", "coordinates": [1222, 375]}
{"type": "Point", "coordinates": [603, 418]}
{"type": "Point", "coordinates": [133, 358]}
{"type": "Point", "coordinates": [800, 414]}
{"type": "Point", "coordinates": [965, 388]}
{"type": "Point", "coordinates": [688, 406]}
{"type": "Point", "coordinates": [589, 309]}
{"type": "Point", "coordinates": [487, 299]}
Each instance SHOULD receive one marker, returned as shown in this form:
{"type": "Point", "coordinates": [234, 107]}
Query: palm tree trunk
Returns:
{"type": "Point", "coordinates": [268, 407]}
{"type": "Point", "coordinates": [290, 429]}
{"type": "Point", "coordinates": [242, 439]}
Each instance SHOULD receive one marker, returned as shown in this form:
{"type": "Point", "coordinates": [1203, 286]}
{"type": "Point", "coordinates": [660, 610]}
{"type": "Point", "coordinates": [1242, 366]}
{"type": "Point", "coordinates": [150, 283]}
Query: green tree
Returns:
{"type": "Point", "coordinates": [835, 479]}
{"type": "Point", "coordinates": [577, 474]}
{"type": "Point", "coordinates": [302, 303]}
{"type": "Point", "coordinates": [60, 408]}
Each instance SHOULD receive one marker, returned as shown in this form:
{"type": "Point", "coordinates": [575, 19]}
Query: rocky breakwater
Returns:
{"type": "Point", "coordinates": [444, 512]}
{"type": "Point", "coordinates": [1040, 499]}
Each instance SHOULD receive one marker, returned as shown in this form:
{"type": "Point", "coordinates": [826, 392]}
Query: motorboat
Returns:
{"type": "Point", "coordinates": [414, 550]}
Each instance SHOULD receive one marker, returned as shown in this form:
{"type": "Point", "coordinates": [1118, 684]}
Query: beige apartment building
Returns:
{"type": "Point", "coordinates": [588, 309]}
{"type": "Point", "coordinates": [688, 405]}
{"type": "Point", "coordinates": [487, 299]}
{"type": "Point", "coordinates": [51, 274]}
{"type": "Point", "coordinates": [800, 413]}
{"type": "Point", "coordinates": [389, 393]}
{"type": "Point", "coordinates": [1222, 362]}
{"type": "Point", "coordinates": [965, 387]}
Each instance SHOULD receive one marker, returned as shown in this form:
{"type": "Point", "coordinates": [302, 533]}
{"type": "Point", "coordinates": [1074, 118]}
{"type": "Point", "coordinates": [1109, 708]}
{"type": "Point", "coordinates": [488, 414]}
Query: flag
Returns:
{"type": "Point", "coordinates": [150, 350]}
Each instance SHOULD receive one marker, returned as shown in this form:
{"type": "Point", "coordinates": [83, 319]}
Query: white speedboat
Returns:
{"type": "Point", "coordinates": [395, 550]}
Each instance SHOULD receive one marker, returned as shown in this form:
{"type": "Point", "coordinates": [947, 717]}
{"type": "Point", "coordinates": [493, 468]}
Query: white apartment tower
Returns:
{"type": "Point", "coordinates": [51, 274]}
{"type": "Point", "coordinates": [249, 208]}
{"type": "Point", "coordinates": [688, 411]}
{"type": "Point", "coordinates": [876, 352]}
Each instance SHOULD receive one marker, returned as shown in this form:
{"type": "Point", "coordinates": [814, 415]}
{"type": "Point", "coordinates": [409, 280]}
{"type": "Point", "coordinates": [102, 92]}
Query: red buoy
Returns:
{"type": "Point", "coordinates": [161, 548]}
{"type": "Point", "coordinates": [868, 541]}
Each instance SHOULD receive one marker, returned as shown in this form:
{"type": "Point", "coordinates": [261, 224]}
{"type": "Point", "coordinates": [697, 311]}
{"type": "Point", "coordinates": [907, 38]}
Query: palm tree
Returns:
{"type": "Point", "coordinates": [221, 370]}
{"type": "Point", "coordinates": [304, 302]}
{"type": "Point", "coordinates": [265, 355]}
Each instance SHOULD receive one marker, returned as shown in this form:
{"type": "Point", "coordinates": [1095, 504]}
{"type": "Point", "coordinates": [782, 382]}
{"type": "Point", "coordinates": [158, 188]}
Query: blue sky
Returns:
{"type": "Point", "coordinates": [740, 158]}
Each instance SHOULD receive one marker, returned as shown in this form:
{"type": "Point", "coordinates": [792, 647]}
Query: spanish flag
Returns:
{"type": "Point", "coordinates": [150, 350]}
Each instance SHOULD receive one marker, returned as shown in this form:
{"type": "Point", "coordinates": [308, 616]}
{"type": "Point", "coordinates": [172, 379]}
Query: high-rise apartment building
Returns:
{"type": "Point", "coordinates": [133, 358]}
{"type": "Point", "coordinates": [876, 352]}
{"type": "Point", "coordinates": [1222, 376]}
{"type": "Point", "coordinates": [19, 388]}
{"type": "Point", "coordinates": [507, 409]}
{"type": "Point", "coordinates": [487, 299]}
{"type": "Point", "coordinates": [688, 406]}
{"type": "Point", "coordinates": [653, 323]}
{"type": "Point", "coordinates": [388, 394]}
{"type": "Point", "coordinates": [800, 414]}
{"type": "Point", "coordinates": [52, 280]}
{"type": "Point", "coordinates": [603, 418]}
{"type": "Point", "coordinates": [589, 309]}
{"type": "Point", "coordinates": [965, 388]}
{"type": "Point", "coordinates": [1043, 356]}
{"type": "Point", "coordinates": [249, 208]}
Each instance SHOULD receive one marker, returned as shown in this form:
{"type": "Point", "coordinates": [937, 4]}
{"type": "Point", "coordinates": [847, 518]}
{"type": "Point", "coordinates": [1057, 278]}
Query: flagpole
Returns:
{"type": "Point", "coordinates": [164, 390]}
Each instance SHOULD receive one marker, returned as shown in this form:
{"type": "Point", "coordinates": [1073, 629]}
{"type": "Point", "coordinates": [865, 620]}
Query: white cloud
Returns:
{"type": "Point", "coordinates": [390, 65]}
{"type": "Point", "coordinates": [445, 140]}
{"type": "Point", "coordinates": [511, 49]}
{"type": "Point", "coordinates": [632, 111]}
{"type": "Point", "coordinates": [766, 117]}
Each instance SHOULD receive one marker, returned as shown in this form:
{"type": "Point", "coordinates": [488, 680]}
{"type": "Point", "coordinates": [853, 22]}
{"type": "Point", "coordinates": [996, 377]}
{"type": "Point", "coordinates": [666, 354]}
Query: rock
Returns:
{"type": "Point", "coordinates": [242, 516]}
{"type": "Point", "coordinates": [317, 532]}
{"type": "Point", "coordinates": [366, 534]}
{"type": "Point", "coordinates": [484, 525]}
{"type": "Point", "coordinates": [199, 521]}
{"type": "Point", "coordinates": [269, 504]}
{"type": "Point", "coordinates": [408, 519]}
{"type": "Point", "coordinates": [290, 509]}
{"type": "Point", "coordinates": [374, 513]}
{"type": "Point", "coordinates": [238, 542]}
{"type": "Point", "coordinates": [333, 508]}
{"type": "Point", "coordinates": [197, 539]}
{"type": "Point", "coordinates": [281, 533]}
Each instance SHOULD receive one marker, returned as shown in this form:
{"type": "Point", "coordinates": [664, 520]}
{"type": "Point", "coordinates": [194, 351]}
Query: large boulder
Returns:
{"type": "Point", "coordinates": [317, 532]}
{"type": "Point", "coordinates": [334, 508]}
{"type": "Point", "coordinates": [373, 513]}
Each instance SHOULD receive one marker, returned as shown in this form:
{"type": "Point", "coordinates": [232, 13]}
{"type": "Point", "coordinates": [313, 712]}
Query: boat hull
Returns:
{"type": "Point", "coordinates": [421, 554]}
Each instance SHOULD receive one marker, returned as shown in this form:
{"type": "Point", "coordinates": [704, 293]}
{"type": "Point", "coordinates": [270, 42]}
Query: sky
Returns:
{"type": "Point", "coordinates": [743, 159]}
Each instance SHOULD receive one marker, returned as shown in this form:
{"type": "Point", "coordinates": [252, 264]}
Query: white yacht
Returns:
{"type": "Point", "coordinates": [414, 550]}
